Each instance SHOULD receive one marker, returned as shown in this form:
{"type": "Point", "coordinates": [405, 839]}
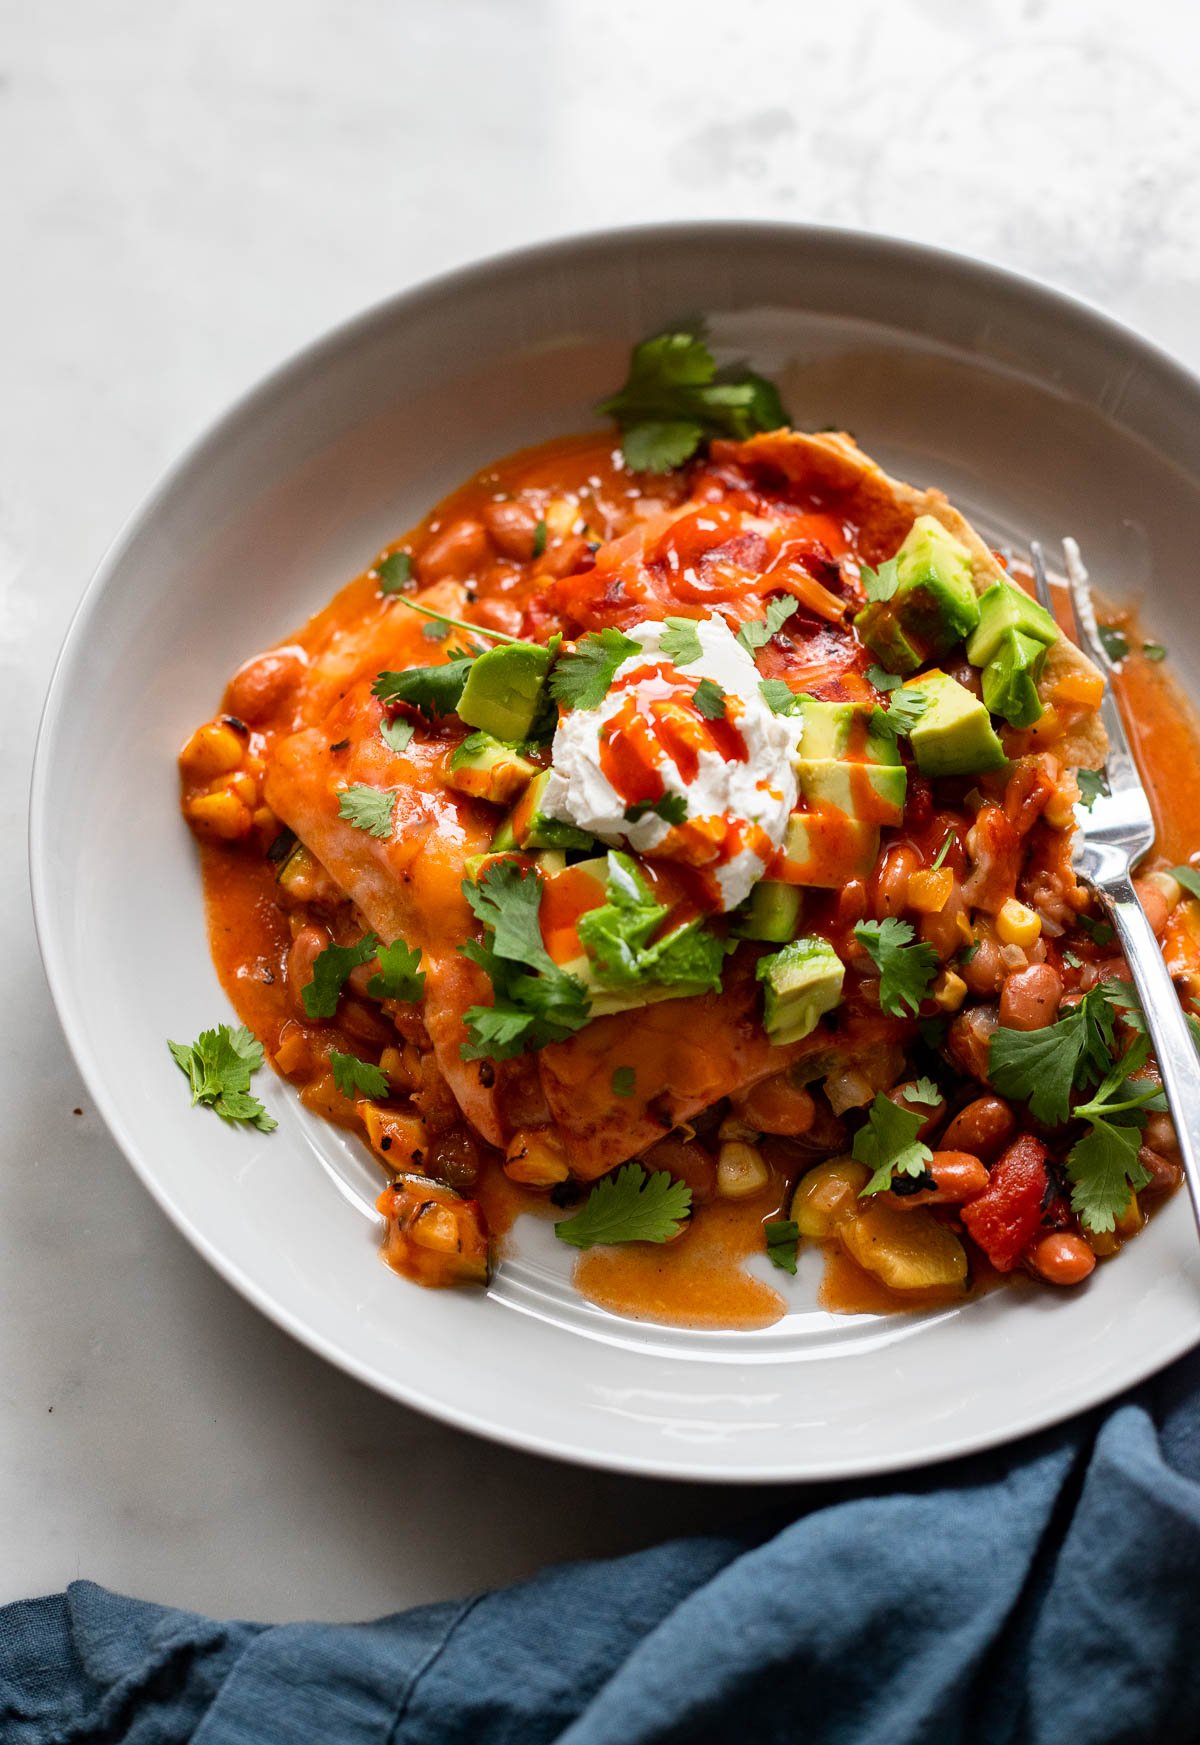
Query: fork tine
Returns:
{"type": "Point", "coordinates": [1087, 634]}
{"type": "Point", "coordinates": [1041, 581]}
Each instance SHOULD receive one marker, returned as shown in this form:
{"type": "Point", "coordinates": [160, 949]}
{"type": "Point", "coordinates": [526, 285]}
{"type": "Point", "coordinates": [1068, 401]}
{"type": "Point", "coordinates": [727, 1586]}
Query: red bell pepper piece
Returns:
{"type": "Point", "coordinates": [1008, 1213]}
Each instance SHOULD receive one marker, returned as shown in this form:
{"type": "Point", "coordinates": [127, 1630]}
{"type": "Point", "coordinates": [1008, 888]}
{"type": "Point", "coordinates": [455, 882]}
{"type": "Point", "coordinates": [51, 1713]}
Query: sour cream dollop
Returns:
{"type": "Point", "coordinates": [727, 783]}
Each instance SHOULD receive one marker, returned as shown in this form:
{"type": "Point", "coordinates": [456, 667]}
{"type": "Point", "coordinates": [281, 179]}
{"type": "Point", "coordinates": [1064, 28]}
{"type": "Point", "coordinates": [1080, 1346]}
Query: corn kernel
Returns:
{"type": "Point", "coordinates": [213, 750]}
{"type": "Point", "coordinates": [1101, 1242]}
{"type": "Point", "coordinates": [245, 787]}
{"type": "Point", "coordinates": [732, 1128]}
{"type": "Point", "coordinates": [391, 1063]}
{"type": "Point", "coordinates": [1171, 889]}
{"type": "Point", "coordinates": [222, 815]}
{"type": "Point", "coordinates": [536, 1158]}
{"type": "Point", "coordinates": [560, 515]}
{"type": "Point", "coordinates": [1016, 924]}
{"type": "Point", "coordinates": [929, 890]}
{"type": "Point", "coordinates": [1131, 1219]}
{"type": "Point", "coordinates": [741, 1171]}
{"type": "Point", "coordinates": [949, 991]}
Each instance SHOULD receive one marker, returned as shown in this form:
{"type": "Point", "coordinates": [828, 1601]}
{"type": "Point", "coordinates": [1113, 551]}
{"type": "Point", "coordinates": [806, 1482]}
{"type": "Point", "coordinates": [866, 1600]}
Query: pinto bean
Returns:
{"type": "Point", "coordinates": [958, 1177]}
{"type": "Point", "coordinates": [513, 527]}
{"type": "Point", "coordinates": [969, 1039]}
{"type": "Point", "coordinates": [889, 887]}
{"type": "Point", "coordinates": [982, 970]}
{"type": "Point", "coordinates": [364, 1021]}
{"type": "Point", "coordinates": [1158, 911]}
{"type": "Point", "coordinates": [930, 1113]}
{"type": "Point", "coordinates": [1165, 1175]}
{"type": "Point", "coordinates": [455, 552]}
{"type": "Point", "coordinates": [262, 687]}
{"type": "Point", "coordinates": [305, 948]}
{"type": "Point", "coordinates": [1160, 1135]}
{"type": "Point", "coordinates": [1061, 1258]}
{"type": "Point", "coordinates": [776, 1105]}
{"type": "Point", "coordinates": [1030, 998]}
{"type": "Point", "coordinates": [982, 1128]}
{"type": "Point", "coordinates": [687, 1162]}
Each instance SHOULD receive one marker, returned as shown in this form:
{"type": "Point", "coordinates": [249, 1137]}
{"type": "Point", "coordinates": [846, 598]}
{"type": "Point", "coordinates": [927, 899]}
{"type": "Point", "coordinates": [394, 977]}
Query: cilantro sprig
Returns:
{"type": "Point", "coordinates": [680, 641]}
{"type": "Point", "coordinates": [1044, 1068]}
{"type": "Point", "coordinates": [581, 677]}
{"type": "Point", "coordinates": [906, 969]}
{"type": "Point", "coordinates": [535, 1001]}
{"type": "Point", "coordinates": [219, 1066]}
{"type": "Point", "coordinates": [779, 697]}
{"type": "Point", "coordinates": [880, 584]}
{"type": "Point", "coordinates": [434, 690]}
{"type": "Point", "coordinates": [1103, 1166]}
{"type": "Point", "coordinates": [331, 969]}
{"type": "Point", "coordinates": [710, 699]}
{"type": "Point", "coordinates": [622, 938]}
{"type": "Point", "coordinates": [755, 633]}
{"type": "Point", "coordinates": [675, 397]}
{"type": "Point", "coordinates": [634, 1205]}
{"type": "Point", "coordinates": [782, 1235]}
{"type": "Point", "coordinates": [904, 710]}
{"type": "Point", "coordinates": [355, 1077]}
{"type": "Point", "coordinates": [671, 808]}
{"type": "Point", "coordinates": [889, 1146]}
{"type": "Point", "coordinates": [368, 809]}
{"type": "Point", "coordinates": [400, 974]}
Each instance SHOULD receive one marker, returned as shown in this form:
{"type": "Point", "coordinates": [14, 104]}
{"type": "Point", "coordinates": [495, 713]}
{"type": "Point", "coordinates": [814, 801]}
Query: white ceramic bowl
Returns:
{"type": "Point", "coordinates": [1036, 414]}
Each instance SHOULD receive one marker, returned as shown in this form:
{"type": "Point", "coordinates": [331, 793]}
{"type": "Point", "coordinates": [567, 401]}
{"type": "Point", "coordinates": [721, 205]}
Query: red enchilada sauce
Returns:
{"type": "Point", "coordinates": [700, 1279]}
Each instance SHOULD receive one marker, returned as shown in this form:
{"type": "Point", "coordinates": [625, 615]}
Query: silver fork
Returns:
{"type": "Point", "coordinates": [1113, 837]}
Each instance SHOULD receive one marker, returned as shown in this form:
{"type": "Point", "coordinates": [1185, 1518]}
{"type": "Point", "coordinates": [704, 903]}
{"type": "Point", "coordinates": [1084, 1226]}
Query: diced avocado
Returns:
{"type": "Point", "coordinates": [873, 792]}
{"type": "Point", "coordinates": [771, 912]}
{"type": "Point", "coordinates": [1005, 607]}
{"type": "Point", "coordinates": [527, 826]}
{"type": "Point", "coordinates": [483, 767]}
{"type": "Point", "coordinates": [505, 690]}
{"type": "Point", "coordinates": [934, 605]}
{"type": "Point", "coordinates": [1010, 679]}
{"type": "Point", "coordinates": [825, 849]}
{"type": "Point", "coordinates": [833, 730]}
{"type": "Point", "coordinates": [954, 736]}
{"type": "Point", "coordinates": [800, 984]}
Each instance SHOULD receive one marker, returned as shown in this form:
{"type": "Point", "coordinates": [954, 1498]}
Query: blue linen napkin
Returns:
{"type": "Point", "coordinates": [1049, 1592]}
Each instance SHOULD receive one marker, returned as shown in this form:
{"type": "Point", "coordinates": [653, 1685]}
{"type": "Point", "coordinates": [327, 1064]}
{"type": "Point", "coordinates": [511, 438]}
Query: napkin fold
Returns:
{"type": "Point", "coordinates": [1048, 1592]}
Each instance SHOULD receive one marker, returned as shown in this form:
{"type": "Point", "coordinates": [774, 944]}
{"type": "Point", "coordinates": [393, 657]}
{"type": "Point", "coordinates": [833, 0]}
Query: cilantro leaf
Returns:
{"type": "Point", "coordinates": [675, 397]}
{"type": "Point", "coordinates": [710, 699]}
{"type": "Point", "coordinates": [672, 809]}
{"type": "Point", "coordinates": [218, 1066]}
{"type": "Point", "coordinates": [580, 678]}
{"type": "Point", "coordinates": [535, 1001]}
{"type": "Point", "coordinates": [681, 641]}
{"type": "Point", "coordinates": [782, 1235]}
{"type": "Point", "coordinates": [331, 967]}
{"type": "Point", "coordinates": [1114, 642]}
{"type": "Point", "coordinates": [1043, 1067]}
{"type": "Point", "coordinates": [630, 1206]}
{"type": "Point", "coordinates": [1154, 650]}
{"type": "Point", "coordinates": [1189, 878]}
{"type": "Point", "coordinates": [400, 977]}
{"type": "Point", "coordinates": [1092, 785]}
{"type": "Point", "coordinates": [624, 1081]}
{"type": "Point", "coordinates": [437, 629]}
{"type": "Point", "coordinates": [902, 713]}
{"type": "Point", "coordinates": [434, 690]}
{"type": "Point", "coordinates": [888, 1144]}
{"type": "Point", "coordinates": [779, 697]}
{"type": "Point", "coordinates": [1103, 1169]}
{"type": "Point", "coordinates": [357, 1078]}
{"type": "Point", "coordinates": [882, 583]}
{"type": "Point", "coordinates": [539, 538]}
{"type": "Point", "coordinates": [923, 1091]}
{"type": "Point", "coordinates": [883, 681]}
{"type": "Point", "coordinates": [906, 970]}
{"type": "Point", "coordinates": [368, 809]}
{"type": "Point", "coordinates": [755, 633]}
{"type": "Point", "coordinates": [617, 937]}
{"type": "Point", "coordinates": [397, 734]}
{"type": "Point", "coordinates": [395, 572]}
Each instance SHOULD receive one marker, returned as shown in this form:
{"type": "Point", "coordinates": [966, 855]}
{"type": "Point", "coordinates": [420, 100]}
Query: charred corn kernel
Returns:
{"type": "Point", "coordinates": [1131, 1219]}
{"type": "Point", "coordinates": [293, 1054]}
{"type": "Point", "coordinates": [536, 1158]}
{"type": "Point", "coordinates": [400, 1139]}
{"type": "Point", "coordinates": [222, 815]}
{"type": "Point", "coordinates": [1016, 924]}
{"type": "Point", "coordinates": [435, 1227]}
{"type": "Point", "coordinates": [560, 515]}
{"type": "Point", "coordinates": [1060, 807]}
{"type": "Point", "coordinates": [732, 1128]}
{"type": "Point", "coordinates": [213, 750]}
{"type": "Point", "coordinates": [741, 1170]}
{"type": "Point", "coordinates": [245, 787]}
{"type": "Point", "coordinates": [826, 1195]}
{"type": "Point", "coordinates": [1171, 889]}
{"type": "Point", "coordinates": [948, 991]}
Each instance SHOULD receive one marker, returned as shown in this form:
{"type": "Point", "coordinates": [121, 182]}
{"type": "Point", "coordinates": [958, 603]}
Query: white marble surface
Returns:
{"type": "Point", "coordinates": [188, 192]}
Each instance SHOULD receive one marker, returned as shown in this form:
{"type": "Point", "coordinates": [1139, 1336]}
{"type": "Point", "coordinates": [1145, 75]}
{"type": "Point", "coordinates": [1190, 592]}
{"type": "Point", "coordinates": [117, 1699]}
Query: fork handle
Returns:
{"type": "Point", "coordinates": [1173, 1045]}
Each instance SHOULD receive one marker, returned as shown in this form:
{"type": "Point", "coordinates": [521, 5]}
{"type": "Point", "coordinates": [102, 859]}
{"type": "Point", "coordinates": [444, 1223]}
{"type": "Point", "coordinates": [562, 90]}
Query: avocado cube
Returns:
{"type": "Point", "coordinates": [487, 770]}
{"type": "Point", "coordinates": [1010, 679]}
{"type": "Point", "coordinates": [1005, 607]}
{"type": "Point", "coordinates": [934, 604]}
{"type": "Point", "coordinates": [771, 912]}
{"type": "Point", "coordinates": [833, 730]}
{"type": "Point", "coordinates": [954, 736]}
{"type": "Point", "coordinates": [800, 984]}
{"type": "Point", "coordinates": [879, 626]}
{"type": "Point", "coordinates": [825, 849]}
{"type": "Point", "coordinates": [527, 826]}
{"type": "Point", "coordinates": [873, 792]}
{"type": "Point", "coordinates": [505, 690]}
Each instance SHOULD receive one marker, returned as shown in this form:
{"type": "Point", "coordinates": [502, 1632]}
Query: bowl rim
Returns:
{"type": "Point", "coordinates": [214, 433]}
